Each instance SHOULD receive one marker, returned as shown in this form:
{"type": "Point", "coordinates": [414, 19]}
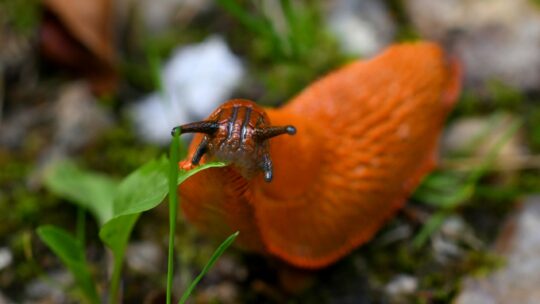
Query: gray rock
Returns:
{"type": "Point", "coordinates": [362, 27]}
{"type": "Point", "coordinates": [50, 289]}
{"type": "Point", "coordinates": [159, 16]}
{"type": "Point", "coordinates": [79, 118]}
{"type": "Point", "coordinates": [78, 121]}
{"type": "Point", "coordinates": [4, 299]}
{"type": "Point", "coordinates": [468, 141]}
{"type": "Point", "coordinates": [519, 279]}
{"type": "Point", "coordinates": [400, 286]}
{"type": "Point", "coordinates": [145, 257]}
{"type": "Point", "coordinates": [451, 241]}
{"type": "Point", "coordinates": [6, 257]}
{"type": "Point", "coordinates": [225, 292]}
{"type": "Point", "coordinates": [496, 39]}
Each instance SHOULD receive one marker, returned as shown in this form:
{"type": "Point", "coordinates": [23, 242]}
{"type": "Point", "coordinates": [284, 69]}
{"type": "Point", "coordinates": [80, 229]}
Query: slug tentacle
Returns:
{"type": "Point", "coordinates": [269, 132]}
{"type": "Point", "coordinates": [201, 149]}
{"type": "Point", "coordinates": [207, 127]}
{"type": "Point", "coordinates": [237, 132]}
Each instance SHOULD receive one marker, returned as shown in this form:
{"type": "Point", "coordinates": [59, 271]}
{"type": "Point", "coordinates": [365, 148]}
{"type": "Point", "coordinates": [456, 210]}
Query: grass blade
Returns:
{"type": "Point", "coordinates": [219, 251]}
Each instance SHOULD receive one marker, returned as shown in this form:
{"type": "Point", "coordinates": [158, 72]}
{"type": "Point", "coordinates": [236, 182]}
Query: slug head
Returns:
{"type": "Point", "coordinates": [237, 132]}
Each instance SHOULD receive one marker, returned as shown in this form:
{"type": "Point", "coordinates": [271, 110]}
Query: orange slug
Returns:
{"type": "Point", "coordinates": [366, 135]}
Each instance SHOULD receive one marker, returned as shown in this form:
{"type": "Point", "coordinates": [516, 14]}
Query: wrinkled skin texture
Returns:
{"type": "Point", "coordinates": [366, 136]}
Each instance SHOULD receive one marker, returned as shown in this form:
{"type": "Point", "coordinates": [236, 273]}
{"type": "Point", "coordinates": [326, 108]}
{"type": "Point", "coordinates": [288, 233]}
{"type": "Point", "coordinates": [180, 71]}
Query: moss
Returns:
{"type": "Point", "coordinates": [118, 152]}
{"type": "Point", "coordinates": [22, 15]}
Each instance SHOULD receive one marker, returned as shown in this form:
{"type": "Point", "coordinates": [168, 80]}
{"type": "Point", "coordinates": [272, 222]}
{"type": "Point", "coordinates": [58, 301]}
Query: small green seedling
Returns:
{"type": "Point", "coordinates": [116, 208]}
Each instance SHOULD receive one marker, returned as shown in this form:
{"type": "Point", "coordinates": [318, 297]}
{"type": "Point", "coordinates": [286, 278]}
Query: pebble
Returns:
{"type": "Point", "coordinates": [474, 138]}
{"type": "Point", "coordinates": [196, 80]}
{"type": "Point", "coordinates": [401, 285]}
{"type": "Point", "coordinates": [78, 119]}
{"type": "Point", "coordinates": [518, 280]}
{"type": "Point", "coordinates": [51, 289]}
{"type": "Point", "coordinates": [159, 16]}
{"type": "Point", "coordinates": [145, 257]}
{"type": "Point", "coordinates": [496, 39]}
{"type": "Point", "coordinates": [452, 239]}
{"type": "Point", "coordinates": [362, 27]}
{"type": "Point", "coordinates": [6, 258]}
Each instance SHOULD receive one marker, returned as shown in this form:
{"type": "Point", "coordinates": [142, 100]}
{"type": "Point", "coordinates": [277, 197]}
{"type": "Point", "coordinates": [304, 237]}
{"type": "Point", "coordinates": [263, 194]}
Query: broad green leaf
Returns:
{"type": "Point", "coordinates": [71, 253]}
{"type": "Point", "coordinates": [92, 191]}
{"type": "Point", "coordinates": [146, 188]}
{"type": "Point", "coordinates": [219, 251]}
{"type": "Point", "coordinates": [142, 190]}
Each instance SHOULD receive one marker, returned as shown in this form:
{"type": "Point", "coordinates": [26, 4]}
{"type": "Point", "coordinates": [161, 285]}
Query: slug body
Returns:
{"type": "Point", "coordinates": [366, 135]}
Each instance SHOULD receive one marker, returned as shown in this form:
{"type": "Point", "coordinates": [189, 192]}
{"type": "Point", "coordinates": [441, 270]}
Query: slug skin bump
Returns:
{"type": "Point", "coordinates": [364, 137]}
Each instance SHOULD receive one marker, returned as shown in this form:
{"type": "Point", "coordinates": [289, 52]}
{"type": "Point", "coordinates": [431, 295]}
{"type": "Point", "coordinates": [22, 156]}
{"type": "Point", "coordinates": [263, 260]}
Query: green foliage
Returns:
{"type": "Point", "coordinates": [533, 126]}
{"type": "Point", "coordinates": [504, 97]}
{"type": "Point", "coordinates": [23, 15]}
{"type": "Point", "coordinates": [292, 41]}
{"type": "Point", "coordinates": [116, 207]}
{"type": "Point", "coordinates": [289, 44]}
{"type": "Point", "coordinates": [71, 253]}
{"type": "Point", "coordinates": [142, 190]}
{"type": "Point", "coordinates": [89, 190]}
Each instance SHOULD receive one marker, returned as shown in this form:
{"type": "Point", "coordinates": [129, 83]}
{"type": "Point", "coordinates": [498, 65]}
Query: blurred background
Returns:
{"type": "Point", "coordinates": [102, 82]}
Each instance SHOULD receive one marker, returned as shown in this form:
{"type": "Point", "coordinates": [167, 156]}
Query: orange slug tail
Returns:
{"type": "Point", "coordinates": [454, 82]}
{"type": "Point", "coordinates": [367, 135]}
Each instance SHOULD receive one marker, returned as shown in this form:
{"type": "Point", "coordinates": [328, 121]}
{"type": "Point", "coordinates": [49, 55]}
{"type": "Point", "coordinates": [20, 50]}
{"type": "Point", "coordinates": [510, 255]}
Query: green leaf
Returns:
{"type": "Point", "coordinates": [71, 253]}
{"type": "Point", "coordinates": [219, 251]}
{"type": "Point", "coordinates": [142, 190]}
{"type": "Point", "coordinates": [92, 191]}
{"type": "Point", "coordinates": [146, 188]}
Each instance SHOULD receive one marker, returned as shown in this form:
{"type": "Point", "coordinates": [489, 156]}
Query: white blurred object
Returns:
{"type": "Point", "coordinates": [362, 27]}
{"type": "Point", "coordinates": [517, 280]}
{"type": "Point", "coordinates": [196, 80]}
{"type": "Point", "coordinates": [400, 286]}
{"type": "Point", "coordinates": [6, 257]}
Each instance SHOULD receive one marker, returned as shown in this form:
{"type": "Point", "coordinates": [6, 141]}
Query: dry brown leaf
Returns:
{"type": "Point", "coordinates": [78, 34]}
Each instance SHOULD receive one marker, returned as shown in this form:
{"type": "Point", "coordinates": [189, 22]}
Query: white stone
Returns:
{"type": "Point", "coordinates": [145, 257]}
{"type": "Point", "coordinates": [196, 80]}
{"type": "Point", "coordinates": [518, 280]}
{"type": "Point", "coordinates": [401, 285]}
{"type": "Point", "coordinates": [362, 27]}
{"type": "Point", "coordinates": [496, 39]}
{"type": "Point", "coordinates": [6, 257]}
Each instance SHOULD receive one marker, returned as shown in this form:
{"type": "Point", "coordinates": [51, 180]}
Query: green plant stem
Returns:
{"type": "Point", "coordinates": [173, 209]}
{"type": "Point", "coordinates": [115, 280]}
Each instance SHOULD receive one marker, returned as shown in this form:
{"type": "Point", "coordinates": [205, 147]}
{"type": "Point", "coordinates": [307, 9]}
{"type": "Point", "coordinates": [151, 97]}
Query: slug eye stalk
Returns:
{"type": "Point", "coordinates": [207, 127]}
